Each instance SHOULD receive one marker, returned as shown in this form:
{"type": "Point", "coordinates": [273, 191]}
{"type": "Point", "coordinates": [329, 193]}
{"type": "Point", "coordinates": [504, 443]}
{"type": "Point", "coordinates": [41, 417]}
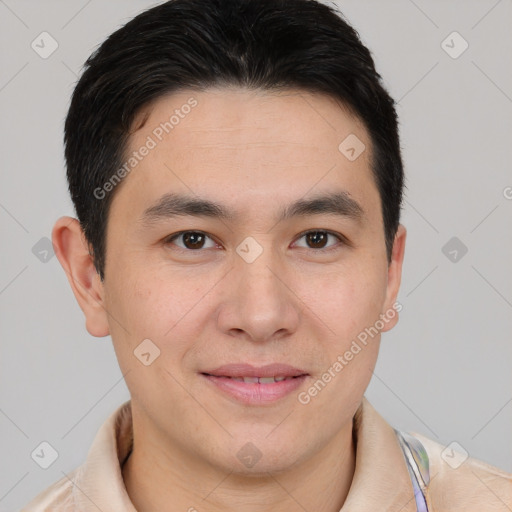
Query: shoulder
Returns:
{"type": "Point", "coordinates": [461, 483]}
{"type": "Point", "coordinates": [100, 474]}
{"type": "Point", "coordinates": [56, 498]}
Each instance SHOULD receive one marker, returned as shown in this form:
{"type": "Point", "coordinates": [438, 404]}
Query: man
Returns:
{"type": "Point", "coordinates": [236, 172]}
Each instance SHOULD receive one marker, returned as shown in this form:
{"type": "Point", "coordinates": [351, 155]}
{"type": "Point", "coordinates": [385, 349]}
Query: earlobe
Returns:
{"type": "Point", "coordinates": [72, 251]}
{"type": "Point", "coordinates": [394, 278]}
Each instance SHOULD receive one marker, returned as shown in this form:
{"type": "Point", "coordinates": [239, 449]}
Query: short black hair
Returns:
{"type": "Point", "coordinates": [197, 44]}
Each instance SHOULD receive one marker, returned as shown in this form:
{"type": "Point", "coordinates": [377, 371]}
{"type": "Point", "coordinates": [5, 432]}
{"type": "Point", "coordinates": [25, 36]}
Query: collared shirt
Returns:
{"type": "Point", "coordinates": [394, 471]}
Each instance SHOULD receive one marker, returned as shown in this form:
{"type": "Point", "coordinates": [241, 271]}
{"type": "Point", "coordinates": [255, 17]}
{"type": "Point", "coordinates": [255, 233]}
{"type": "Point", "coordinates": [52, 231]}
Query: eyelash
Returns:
{"type": "Point", "coordinates": [340, 238]}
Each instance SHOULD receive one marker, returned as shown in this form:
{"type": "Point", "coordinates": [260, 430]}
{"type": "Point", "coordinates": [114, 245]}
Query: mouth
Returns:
{"type": "Point", "coordinates": [256, 380]}
{"type": "Point", "coordinates": [250, 385]}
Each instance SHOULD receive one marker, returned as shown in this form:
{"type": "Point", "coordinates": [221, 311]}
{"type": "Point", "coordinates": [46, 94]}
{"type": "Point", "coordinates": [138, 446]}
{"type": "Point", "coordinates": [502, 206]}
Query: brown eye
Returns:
{"type": "Point", "coordinates": [192, 240]}
{"type": "Point", "coordinates": [318, 239]}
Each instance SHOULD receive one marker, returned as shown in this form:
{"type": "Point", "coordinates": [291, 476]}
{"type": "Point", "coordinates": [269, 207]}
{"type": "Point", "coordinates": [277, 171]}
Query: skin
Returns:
{"type": "Point", "coordinates": [254, 152]}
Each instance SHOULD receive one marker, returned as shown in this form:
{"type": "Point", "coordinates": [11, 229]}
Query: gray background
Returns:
{"type": "Point", "coordinates": [444, 371]}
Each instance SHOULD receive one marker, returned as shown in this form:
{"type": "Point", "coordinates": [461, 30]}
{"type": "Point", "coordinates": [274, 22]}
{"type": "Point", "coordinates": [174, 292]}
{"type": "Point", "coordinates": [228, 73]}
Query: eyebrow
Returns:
{"type": "Point", "coordinates": [173, 205]}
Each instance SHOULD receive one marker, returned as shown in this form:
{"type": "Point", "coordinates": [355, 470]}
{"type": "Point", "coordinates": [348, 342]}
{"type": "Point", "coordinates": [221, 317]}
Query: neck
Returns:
{"type": "Point", "coordinates": [172, 480]}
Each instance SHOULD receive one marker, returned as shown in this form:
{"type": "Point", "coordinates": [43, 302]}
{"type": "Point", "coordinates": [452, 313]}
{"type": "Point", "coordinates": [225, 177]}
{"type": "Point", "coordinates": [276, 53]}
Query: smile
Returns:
{"type": "Point", "coordinates": [248, 385]}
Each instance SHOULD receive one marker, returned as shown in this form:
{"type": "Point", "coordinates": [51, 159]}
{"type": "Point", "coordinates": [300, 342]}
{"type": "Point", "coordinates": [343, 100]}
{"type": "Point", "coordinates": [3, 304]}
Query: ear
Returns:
{"type": "Point", "coordinates": [394, 278]}
{"type": "Point", "coordinates": [72, 250]}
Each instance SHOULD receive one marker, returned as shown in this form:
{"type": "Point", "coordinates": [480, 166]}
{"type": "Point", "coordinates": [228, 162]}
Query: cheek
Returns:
{"type": "Point", "coordinates": [348, 301]}
{"type": "Point", "coordinates": [151, 299]}
{"type": "Point", "coordinates": [155, 309]}
{"type": "Point", "coordinates": [144, 306]}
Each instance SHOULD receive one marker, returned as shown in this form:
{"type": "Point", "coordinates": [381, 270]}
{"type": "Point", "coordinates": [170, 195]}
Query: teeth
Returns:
{"type": "Point", "coordinates": [261, 380]}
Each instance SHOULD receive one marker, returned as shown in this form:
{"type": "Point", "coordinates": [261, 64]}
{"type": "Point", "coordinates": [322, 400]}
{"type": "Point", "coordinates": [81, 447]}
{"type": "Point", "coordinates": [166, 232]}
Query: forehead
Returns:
{"type": "Point", "coordinates": [239, 146]}
{"type": "Point", "coordinates": [245, 116]}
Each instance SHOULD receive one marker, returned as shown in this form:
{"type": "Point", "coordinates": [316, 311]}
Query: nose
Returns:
{"type": "Point", "coordinates": [259, 301]}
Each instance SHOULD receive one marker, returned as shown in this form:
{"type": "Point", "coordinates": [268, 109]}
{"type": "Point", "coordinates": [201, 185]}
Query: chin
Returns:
{"type": "Point", "coordinates": [259, 457]}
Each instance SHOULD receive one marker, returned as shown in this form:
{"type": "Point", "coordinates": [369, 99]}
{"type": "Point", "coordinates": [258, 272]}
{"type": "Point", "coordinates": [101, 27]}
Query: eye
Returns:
{"type": "Point", "coordinates": [317, 239]}
{"type": "Point", "coordinates": [196, 240]}
{"type": "Point", "coordinates": [191, 240]}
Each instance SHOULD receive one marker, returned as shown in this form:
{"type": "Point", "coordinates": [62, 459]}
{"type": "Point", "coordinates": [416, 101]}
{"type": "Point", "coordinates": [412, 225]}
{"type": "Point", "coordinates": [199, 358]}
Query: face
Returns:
{"type": "Point", "coordinates": [285, 265]}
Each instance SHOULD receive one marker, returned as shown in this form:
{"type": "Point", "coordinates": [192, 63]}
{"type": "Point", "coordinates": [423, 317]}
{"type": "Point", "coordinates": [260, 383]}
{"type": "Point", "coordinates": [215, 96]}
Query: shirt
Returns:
{"type": "Point", "coordinates": [395, 471]}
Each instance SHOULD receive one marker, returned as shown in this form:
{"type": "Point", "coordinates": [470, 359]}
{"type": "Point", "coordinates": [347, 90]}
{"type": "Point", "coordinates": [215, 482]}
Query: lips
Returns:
{"type": "Point", "coordinates": [251, 385]}
{"type": "Point", "coordinates": [248, 373]}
